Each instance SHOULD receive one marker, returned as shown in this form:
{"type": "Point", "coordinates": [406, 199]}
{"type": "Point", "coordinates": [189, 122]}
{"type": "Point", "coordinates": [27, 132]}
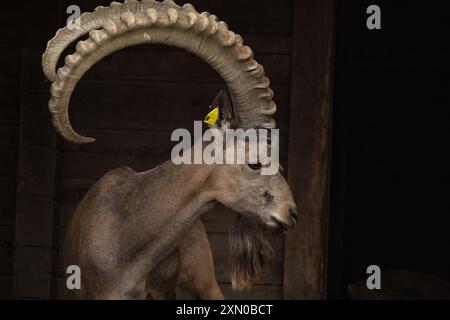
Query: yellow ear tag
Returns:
{"type": "Point", "coordinates": [212, 117]}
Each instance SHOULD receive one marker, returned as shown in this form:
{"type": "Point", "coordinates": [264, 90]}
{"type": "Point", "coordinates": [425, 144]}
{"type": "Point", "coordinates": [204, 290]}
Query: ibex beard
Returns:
{"type": "Point", "coordinates": [249, 249]}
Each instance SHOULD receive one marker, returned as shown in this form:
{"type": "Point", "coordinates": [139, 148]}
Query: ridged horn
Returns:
{"type": "Point", "coordinates": [89, 21]}
{"type": "Point", "coordinates": [182, 27]}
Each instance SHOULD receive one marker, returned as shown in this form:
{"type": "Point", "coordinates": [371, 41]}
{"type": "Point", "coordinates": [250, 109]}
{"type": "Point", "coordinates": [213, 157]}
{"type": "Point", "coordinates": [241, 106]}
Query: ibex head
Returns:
{"type": "Point", "coordinates": [243, 189]}
{"type": "Point", "coordinates": [244, 186]}
{"type": "Point", "coordinates": [265, 198]}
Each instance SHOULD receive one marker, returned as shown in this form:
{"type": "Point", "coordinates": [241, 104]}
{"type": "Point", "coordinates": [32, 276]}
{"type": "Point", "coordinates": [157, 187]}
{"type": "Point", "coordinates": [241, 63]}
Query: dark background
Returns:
{"type": "Point", "coordinates": [390, 161]}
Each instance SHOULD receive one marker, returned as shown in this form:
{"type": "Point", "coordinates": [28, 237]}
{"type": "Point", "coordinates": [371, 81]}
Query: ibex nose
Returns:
{"type": "Point", "coordinates": [286, 222]}
{"type": "Point", "coordinates": [294, 213]}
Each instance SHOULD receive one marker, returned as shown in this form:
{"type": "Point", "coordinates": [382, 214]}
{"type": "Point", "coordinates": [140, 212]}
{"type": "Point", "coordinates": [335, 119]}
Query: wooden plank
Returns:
{"type": "Point", "coordinates": [11, 15]}
{"type": "Point", "coordinates": [311, 102]}
{"type": "Point", "coordinates": [9, 137]}
{"type": "Point", "coordinates": [61, 267]}
{"type": "Point", "coordinates": [124, 142]}
{"type": "Point", "coordinates": [35, 109]}
{"type": "Point", "coordinates": [42, 24]}
{"type": "Point", "coordinates": [148, 107]}
{"type": "Point", "coordinates": [7, 202]}
{"type": "Point", "coordinates": [35, 219]}
{"type": "Point", "coordinates": [6, 287]}
{"type": "Point", "coordinates": [77, 185]}
{"type": "Point", "coordinates": [38, 136]}
{"type": "Point", "coordinates": [10, 61]}
{"type": "Point", "coordinates": [6, 250]}
{"type": "Point", "coordinates": [10, 51]}
{"type": "Point", "coordinates": [62, 292]}
{"type": "Point", "coordinates": [35, 166]}
{"type": "Point", "coordinates": [9, 163]}
{"type": "Point", "coordinates": [9, 101]}
{"type": "Point", "coordinates": [34, 265]}
{"type": "Point", "coordinates": [11, 37]}
{"type": "Point", "coordinates": [156, 106]}
{"type": "Point", "coordinates": [33, 79]}
{"type": "Point", "coordinates": [175, 65]}
{"type": "Point", "coordinates": [36, 129]}
{"type": "Point", "coordinates": [95, 165]}
{"type": "Point", "coordinates": [263, 17]}
{"type": "Point", "coordinates": [244, 17]}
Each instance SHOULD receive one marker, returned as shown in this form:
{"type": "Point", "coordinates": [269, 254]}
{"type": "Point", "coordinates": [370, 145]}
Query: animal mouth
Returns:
{"type": "Point", "coordinates": [276, 225]}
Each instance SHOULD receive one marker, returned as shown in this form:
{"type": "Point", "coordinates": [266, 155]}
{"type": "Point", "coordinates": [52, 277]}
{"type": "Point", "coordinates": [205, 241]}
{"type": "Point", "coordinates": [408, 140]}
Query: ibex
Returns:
{"type": "Point", "coordinates": [130, 223]}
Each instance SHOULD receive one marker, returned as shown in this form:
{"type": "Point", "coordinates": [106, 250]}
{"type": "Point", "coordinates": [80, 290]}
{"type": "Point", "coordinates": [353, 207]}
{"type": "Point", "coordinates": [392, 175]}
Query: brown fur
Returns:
{"type": "Point", "coordinates": [130, 222]}
{"type": "Point", "coordinates": [250, 251]}
{"type": "Point", "coordinates": [190, 267]}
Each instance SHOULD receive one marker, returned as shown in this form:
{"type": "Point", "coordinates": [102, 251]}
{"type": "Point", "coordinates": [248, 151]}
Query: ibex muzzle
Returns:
{"type": "Point", "coordinates": [129, 222]}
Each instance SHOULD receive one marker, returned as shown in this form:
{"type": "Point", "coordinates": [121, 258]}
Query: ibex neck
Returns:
{"type": "Point", "coordinates": [175, 198]}
{"type": "Point", "coordinates": [180, 182]}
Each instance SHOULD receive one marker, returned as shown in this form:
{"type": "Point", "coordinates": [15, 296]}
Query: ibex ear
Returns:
{"type": "Point", "coordinates": [224, 101]}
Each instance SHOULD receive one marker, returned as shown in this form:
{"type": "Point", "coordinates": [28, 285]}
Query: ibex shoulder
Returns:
{"type": "Point", "coordinates": [121, 172]}
{"type": "Point", "coordinates": [115, 182]}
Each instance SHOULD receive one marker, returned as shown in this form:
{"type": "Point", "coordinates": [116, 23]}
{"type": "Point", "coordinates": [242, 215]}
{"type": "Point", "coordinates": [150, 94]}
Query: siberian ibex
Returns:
{"type": "Point", "coordinates": [130, 223]}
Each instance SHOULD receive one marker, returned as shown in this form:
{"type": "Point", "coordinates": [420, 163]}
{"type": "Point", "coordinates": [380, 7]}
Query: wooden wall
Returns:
{"type": "Point", "coordinates": [35, 242]}
{"type": "Point", "coordinates": [10, 52]}
{"type": "Point", "coordinates": [131, 102]}
{"type": "Point", "coordinates": [309, 147]}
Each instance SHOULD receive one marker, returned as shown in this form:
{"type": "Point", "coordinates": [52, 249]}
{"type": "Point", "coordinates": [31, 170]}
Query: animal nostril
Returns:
{"type": "Point", "coordinates": [294, 214]}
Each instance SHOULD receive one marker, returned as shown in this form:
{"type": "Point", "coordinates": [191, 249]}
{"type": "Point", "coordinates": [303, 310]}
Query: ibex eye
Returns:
{"type": "Point", "coordinates": [256, 166]}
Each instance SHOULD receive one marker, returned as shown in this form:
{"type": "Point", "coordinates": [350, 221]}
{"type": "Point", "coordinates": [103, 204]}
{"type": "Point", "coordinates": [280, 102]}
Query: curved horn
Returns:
{"type": "Point", "coordinates": [88, 21]}
{"type": "Point", "coordinates": [183, 27]}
